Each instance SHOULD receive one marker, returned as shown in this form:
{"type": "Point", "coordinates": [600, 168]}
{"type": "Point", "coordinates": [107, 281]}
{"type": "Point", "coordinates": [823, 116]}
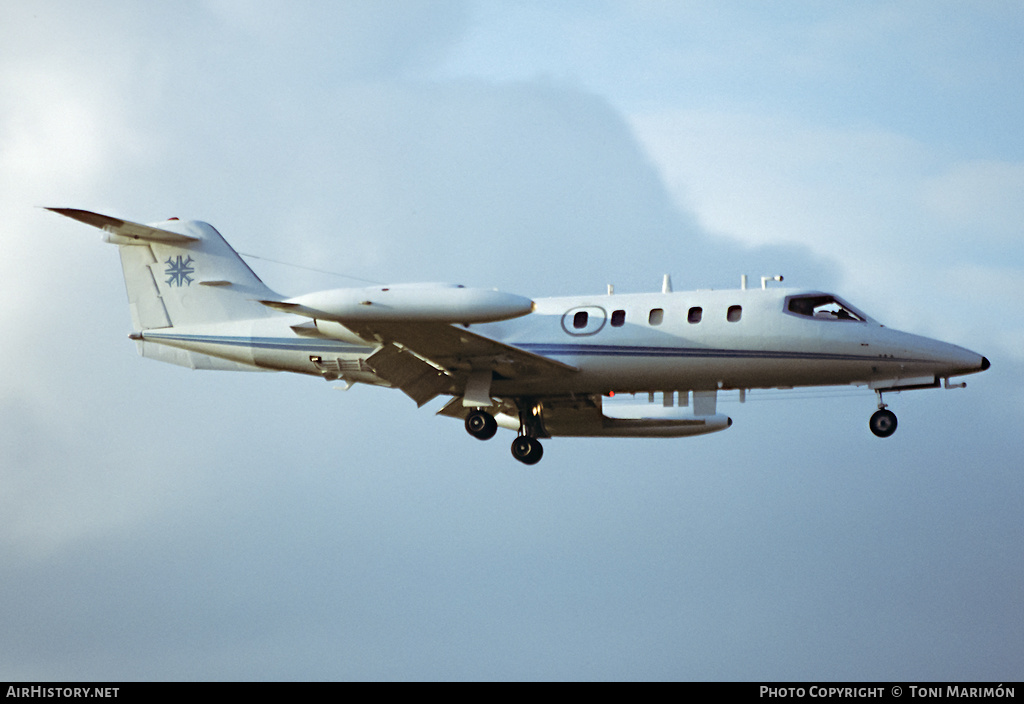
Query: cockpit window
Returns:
{"type": "Point", "coordinates": [823, 307]}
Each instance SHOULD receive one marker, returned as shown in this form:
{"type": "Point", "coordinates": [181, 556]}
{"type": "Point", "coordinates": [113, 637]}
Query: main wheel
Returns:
{"type": "Point", "coordinates": [527, 450]}
{"type": "Point", "coordinates": [883, 423]}
{"type": "Point", "coordinates": [481, 425]}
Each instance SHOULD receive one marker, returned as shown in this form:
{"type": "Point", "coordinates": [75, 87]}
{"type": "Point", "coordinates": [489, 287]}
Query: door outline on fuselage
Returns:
{"type": "Point", "coordinates": [590, 326]}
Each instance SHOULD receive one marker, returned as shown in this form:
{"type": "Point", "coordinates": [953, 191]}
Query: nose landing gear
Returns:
{"type": "Point", "coordinates": [883, 421]}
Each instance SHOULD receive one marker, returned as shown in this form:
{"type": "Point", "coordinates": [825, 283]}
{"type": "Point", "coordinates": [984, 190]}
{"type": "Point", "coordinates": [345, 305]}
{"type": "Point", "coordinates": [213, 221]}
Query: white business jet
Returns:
{"type": "Point", "coordinates": [538, 367]}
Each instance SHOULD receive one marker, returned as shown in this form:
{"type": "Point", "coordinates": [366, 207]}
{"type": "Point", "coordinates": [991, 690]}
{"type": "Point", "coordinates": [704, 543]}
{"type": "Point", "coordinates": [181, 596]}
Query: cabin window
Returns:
{"type": "Point", "coordinates": [734, 314]}
{"type": "Point", "coordinates": [618, 318]}
{"type": "Point", "coordinates": [695, 314]}
{"type": "Point", "coordinates": [584, 320]}
{"type": "Point", "coordinates": [823, 307]}
{"type": "Point", "coordinates": [657, 315]}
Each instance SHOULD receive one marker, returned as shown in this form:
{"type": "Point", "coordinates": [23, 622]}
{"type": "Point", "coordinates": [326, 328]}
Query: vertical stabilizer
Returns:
{"type": "Point", "coordinates": [199, 281]}
{"type": "Point", "coordinates": [180, 273]}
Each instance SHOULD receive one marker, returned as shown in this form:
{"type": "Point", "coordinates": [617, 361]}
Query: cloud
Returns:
{"type": "Point", "coordinates": [894, 214]}
{"type": "Point", "coordinates": [354, 38]}
{"type": "Point", "coordinates": [982, 201]}
{"type": "Point", "coordinates": [777, 179]}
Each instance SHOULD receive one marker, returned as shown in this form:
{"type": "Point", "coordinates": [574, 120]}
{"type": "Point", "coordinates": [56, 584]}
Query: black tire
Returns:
{"type": "Point", "coordinates": [481, 425]}
{"type": "Point", "coordinates": [883, 423]}
{"type": "Point", "coordinates": [527, 450]}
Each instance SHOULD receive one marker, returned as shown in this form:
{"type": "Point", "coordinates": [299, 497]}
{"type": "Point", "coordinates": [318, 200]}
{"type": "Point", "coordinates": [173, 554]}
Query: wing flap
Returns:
{"type": "Point", "coordinates": [417, 379]}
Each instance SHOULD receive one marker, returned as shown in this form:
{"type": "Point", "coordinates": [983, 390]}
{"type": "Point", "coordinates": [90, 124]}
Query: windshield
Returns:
{"type": "Point", "coordinates": [823, 306]}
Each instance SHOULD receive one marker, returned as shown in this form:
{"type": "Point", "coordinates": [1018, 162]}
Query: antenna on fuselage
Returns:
{"type": "Point", "coordinates": [666, 284]}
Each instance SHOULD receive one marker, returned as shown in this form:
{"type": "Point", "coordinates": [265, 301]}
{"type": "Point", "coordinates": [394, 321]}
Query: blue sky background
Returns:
{"type": "Point", "coordinates": [157, 523]}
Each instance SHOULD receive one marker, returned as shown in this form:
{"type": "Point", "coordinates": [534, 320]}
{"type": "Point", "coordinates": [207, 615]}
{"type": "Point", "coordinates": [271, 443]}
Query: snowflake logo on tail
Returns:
{"type": "Point", "coordinates": [179, 271]}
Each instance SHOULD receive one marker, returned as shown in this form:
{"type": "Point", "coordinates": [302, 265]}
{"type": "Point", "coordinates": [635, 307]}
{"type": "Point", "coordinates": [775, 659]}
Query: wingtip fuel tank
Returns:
{"type": "Point", "coordinates": [409, 303]}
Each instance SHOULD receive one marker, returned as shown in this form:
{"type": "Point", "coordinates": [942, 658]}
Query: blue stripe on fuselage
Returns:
{"type": "Point", "coordinates": [543, 349]}
{"type": "Point", "coordinates": [265, 343]}
{"type": "Point", "coordinates": [562, 349]}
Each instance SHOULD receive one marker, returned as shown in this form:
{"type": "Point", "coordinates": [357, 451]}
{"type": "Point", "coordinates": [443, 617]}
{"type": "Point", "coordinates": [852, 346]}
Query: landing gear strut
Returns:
{"type": "Point", "coordinates": [883, 421]}
{"type": "Point", "coordinates": [481, 425]}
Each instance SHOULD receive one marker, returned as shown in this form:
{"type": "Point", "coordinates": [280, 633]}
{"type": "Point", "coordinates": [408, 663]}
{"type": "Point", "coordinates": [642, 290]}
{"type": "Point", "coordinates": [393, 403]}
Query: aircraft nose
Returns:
{"type": "Point", "coordinates": [944, 359]}
{"type": "Point", "coordinates": [961, 361]}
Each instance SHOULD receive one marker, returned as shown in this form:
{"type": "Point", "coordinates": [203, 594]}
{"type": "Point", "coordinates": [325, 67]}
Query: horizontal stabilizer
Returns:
{"type": "Point", "coordinates": [123, 228]}
{"type": "Point", "coordinates": [286, 307]}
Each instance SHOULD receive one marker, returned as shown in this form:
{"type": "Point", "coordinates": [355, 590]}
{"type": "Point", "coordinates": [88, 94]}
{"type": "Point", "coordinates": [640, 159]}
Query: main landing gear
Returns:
{"type": "Point", "coordinates": [482, 426]}
{"type": "Point", "coordinates": [883, 421]}
{"type": "Point", "coordinates": [527, 450]}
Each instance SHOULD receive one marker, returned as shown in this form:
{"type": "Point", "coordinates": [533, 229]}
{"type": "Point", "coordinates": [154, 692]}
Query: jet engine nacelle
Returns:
{"type": "Point", "coordinates": [408, 303]}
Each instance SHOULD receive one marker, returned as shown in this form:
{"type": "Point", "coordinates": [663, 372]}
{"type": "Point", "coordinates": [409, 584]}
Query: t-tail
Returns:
{"type": "Point", "coordinates": [182, 275]}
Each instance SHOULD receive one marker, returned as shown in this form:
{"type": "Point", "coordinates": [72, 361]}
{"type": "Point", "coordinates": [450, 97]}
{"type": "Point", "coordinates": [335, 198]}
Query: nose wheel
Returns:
{"type": "Point", "coordinates": [883, 423]}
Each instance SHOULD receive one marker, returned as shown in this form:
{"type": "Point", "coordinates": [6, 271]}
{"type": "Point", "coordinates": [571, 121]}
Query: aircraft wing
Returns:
{"type": "Point", "coordinates": [423, 358]}
{"type": "Point", "coordinates": [453, 349]}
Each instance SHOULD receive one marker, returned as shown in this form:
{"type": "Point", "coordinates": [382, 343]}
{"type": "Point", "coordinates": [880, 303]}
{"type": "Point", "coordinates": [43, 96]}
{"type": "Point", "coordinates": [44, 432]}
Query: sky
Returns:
{"type": "Point", "coordinates": [163, 524]}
